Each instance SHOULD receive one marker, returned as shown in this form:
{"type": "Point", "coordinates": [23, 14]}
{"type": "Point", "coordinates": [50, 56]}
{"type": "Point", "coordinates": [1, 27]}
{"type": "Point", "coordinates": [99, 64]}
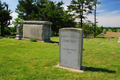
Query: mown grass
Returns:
{"type": "Point", "coordinates": [25, 60]}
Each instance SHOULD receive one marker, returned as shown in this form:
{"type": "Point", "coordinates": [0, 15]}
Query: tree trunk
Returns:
{"type": "Point", "coordinates": [81, 22]}
{"type": "Point", "coordinates": [81, 17]}
{"type": "Point", "coordinates": [95, 21]}
{"type": "Point", "coordinates": [2, 29]}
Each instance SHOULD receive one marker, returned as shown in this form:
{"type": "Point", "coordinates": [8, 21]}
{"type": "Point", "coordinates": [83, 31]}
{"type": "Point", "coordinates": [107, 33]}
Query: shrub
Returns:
{"type": "Point", "coordinates": [7, 31]}
{"type": "Point", "coordinates": [33, 39]}
{"type": "Point", "coordinates": [118, 30]}
{"type": "Point", "coordinates": [104, 31]}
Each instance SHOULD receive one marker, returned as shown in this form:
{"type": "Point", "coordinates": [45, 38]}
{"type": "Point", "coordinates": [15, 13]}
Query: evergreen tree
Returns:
{"type": "Point", "coordinates": [4, 17]}
{"type": "Point", "coordinates": [80, 8]}
{"type": "Point", "coordinates": [25, 8]}
{"type": "Point", "coordinates": [95, 8]}
{"type": "Point", "coordinates": [59, 17]}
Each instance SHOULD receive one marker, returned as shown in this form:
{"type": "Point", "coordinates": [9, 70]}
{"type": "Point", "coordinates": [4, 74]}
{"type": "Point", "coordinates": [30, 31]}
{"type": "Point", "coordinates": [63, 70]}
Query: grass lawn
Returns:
{"type": "Point", "coordinates": [25, 60]}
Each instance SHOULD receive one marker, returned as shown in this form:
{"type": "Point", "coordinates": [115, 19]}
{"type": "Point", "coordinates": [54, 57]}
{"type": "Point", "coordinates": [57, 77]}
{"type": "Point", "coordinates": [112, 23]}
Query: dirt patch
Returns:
{"type": "Point", "coordinates": [113, 52]}
{"type": "Point", "coordinates": [111, 34]}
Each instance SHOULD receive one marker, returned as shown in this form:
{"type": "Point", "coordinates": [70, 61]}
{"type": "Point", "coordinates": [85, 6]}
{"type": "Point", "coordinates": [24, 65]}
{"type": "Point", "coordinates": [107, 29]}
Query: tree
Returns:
{"type": "Point", "coordinates": [4, 17]}
{"type": "Point", "coordinates": [46, 10]}
{"type": "Point", "coordinates": [80, 8]}
{"type": "Point", "coordinates": [25, 8]}
{"type": "Point", "coordinates": [16, 22]}
{"type": "Point", "coordinates": [32, 9]}
{"type": "Point", "coordinates": [60, 18]}
{"type": "Point", "coordinates": [86, 27]}
{"type": "Point", "coordinates": [89, 29]}
{"type": "Point", "coordinates": [95, 5]}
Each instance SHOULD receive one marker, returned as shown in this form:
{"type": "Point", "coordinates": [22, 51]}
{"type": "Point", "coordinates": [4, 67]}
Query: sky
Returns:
{"type": "Point", "coordinates": [108, 12]}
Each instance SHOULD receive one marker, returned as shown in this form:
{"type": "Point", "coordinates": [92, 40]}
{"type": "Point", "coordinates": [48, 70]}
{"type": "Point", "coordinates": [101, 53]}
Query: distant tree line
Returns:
{"type": "Point", "coordinates": [111, 29]}
{"type": "Point", "coordinates": [89, 29]}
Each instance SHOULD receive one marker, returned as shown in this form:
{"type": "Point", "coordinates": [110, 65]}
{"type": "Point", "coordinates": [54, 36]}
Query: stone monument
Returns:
{"type": "Point", "coordinates": [41, 30]}
{"type": "Point", "coordinates": [19, 33]}
{"type": "Point", "coordinates": [71, 48]}
{"type": "Point", "coordinates": [118, 39]}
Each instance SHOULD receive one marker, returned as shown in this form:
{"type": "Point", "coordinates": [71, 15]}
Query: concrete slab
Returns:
{"type": "Point", "coordinates": [71, 69]}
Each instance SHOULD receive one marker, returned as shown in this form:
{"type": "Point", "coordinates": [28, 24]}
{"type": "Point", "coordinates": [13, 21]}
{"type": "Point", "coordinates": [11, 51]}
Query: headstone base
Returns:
{"type": "Point", "coordinates": [25, 39]}
{"type": "Point", "coordinates": [37, 40]}
{"type": "Point", "coordinates": [18, 37]}
{"type": "Point", "coordinates": [71, 69]}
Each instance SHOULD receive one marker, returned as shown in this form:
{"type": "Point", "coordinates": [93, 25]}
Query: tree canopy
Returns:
{"type": "Point", "coordinates": [4, 17]}
{"type": "Point", "coordinates": [45, 10]}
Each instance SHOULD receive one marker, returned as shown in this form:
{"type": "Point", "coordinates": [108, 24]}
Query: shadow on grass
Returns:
{"type": "Point", "coordinates": [99, 70]}
{"type": "Point", "coordinates": [96, 37]}
{"type": "Point", "coordinates": [54, 42]}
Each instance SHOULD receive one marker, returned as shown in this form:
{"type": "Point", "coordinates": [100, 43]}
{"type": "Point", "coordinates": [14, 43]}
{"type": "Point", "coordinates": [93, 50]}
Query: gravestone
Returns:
{"type": "Point", "coordinates": [0, 37]}
{"type": "Point", "coordinates": [118, 39]}
{"type": "Point", "coordinates": [41, 30]}
{"type": "Point", "coordinates": [19, 33]}
{"type": "Point", "coordinates": [70, 48]}
{"type": "Point", "coordinates": [107, 40]}
{"type": "Point", "coordinates": [88, 37]}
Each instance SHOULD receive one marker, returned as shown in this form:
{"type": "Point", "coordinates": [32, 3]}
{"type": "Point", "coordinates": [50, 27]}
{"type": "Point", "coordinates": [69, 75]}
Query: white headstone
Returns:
{"type": "Point", "coordinates": [71, 47]}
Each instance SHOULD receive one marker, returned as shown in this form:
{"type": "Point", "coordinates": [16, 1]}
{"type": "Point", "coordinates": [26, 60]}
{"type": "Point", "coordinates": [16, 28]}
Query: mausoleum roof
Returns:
{"type": "Point", "coordinates": [37, 22]}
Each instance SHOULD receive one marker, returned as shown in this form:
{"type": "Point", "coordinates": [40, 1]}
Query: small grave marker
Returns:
{"type": "Point", "coordinates": [19, 33]}
{"type": "Point", "coordinates": [0, 37]}
{"type": "Point", "coordinates": [107, 40]}
{"type": "Point", "coordinates": [118, 39]}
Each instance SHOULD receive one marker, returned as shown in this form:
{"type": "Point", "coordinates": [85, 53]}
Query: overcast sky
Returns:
{"type": "Point", "coordinates": [108, 12]}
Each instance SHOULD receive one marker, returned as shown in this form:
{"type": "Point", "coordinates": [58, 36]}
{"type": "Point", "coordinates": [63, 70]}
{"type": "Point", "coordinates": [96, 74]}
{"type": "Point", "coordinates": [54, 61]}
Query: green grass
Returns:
{"type": "Point", "coordinates": [25, 60]}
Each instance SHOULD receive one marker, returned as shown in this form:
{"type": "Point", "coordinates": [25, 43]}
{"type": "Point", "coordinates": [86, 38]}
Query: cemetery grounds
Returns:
{"type": "Point", "coordinates": [25, 60]}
